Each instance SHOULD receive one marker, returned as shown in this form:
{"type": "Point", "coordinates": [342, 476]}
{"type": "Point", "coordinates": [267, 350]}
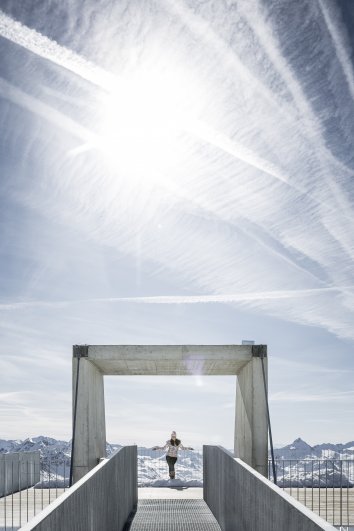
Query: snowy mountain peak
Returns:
{"type": "Point", "coordinates": [300, 443]}
{"type": "Point", "coordinates": [300, 449]}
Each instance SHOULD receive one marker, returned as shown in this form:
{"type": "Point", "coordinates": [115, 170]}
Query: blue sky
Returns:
{"type": "Point", "coordinates": [177, 172]}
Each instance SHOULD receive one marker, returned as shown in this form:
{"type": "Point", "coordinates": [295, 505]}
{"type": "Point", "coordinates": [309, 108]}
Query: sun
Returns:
{"type": "Point", "coordinates": [146, 120]}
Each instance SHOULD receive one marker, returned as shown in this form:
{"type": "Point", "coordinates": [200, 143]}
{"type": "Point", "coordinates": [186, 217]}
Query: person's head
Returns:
{"type": "Point", "coordinates": [174, 440]}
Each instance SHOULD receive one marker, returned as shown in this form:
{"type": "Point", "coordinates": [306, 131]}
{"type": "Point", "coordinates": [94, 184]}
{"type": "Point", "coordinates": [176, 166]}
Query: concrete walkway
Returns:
{"type": "Point", "coordinates": [173, 515]}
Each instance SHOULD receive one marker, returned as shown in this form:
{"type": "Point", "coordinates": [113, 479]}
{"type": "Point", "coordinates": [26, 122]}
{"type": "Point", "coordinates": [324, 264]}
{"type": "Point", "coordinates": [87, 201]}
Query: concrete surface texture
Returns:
{"type": "Point", "coordinates": [242, 499]}
{"type": "Point", "coordinates": [90, 425]}
{"type": "Point", "coordinates": [169, 359]}
{"type": "Point", "coordinates": [251, 426]}
{"type": "Point", "coordinates": [102, 500]}
{"type": "Point", "coordinates": [95, 361]}
{"type": "Point", "coordinates": [18, 470]}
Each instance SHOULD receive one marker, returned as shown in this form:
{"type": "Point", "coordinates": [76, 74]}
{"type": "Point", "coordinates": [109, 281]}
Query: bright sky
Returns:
{"type": "Point", "coordinates": [177, 172]}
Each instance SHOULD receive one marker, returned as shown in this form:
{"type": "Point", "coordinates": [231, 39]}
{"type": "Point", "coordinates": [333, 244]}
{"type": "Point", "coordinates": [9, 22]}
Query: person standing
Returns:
{"type": "Point", "coordinates": [173, 445]}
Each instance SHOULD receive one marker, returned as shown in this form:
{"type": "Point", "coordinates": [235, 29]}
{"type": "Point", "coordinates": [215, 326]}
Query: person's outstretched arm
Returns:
{"type": "Point", "coordinates": [184, 447]}
{"type": "Point", "coordinates": [159, 447]}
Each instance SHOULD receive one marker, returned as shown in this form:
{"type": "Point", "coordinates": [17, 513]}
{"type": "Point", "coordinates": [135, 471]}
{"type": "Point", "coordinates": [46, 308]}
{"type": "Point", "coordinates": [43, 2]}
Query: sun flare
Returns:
{"type": "Point", "coordinates": [146, 120]}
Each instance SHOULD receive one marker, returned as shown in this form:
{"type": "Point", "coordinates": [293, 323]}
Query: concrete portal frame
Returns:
{"type": "Point", "coordinates": [92, 362]}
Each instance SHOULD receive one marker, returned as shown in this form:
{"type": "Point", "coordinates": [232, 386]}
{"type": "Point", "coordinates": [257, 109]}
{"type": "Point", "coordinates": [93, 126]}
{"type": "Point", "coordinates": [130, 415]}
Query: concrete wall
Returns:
{"type": "Point", "coordinates": [18, 471]}
{"type": "Point", "coordinates": [101, 501]}
{"type": "Point", "coordinates": [251, 428]}
{"type": "Point", "coordinates": [90, 432]}
{"type": "Point", "coordinates": [241, 499]}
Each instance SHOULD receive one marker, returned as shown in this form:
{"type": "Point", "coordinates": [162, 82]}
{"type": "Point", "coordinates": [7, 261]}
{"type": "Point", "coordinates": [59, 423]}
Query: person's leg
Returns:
{"type": "Point", "coordinates": [171, 465]}
{"type": "Point", "coordinates": [173, 473]}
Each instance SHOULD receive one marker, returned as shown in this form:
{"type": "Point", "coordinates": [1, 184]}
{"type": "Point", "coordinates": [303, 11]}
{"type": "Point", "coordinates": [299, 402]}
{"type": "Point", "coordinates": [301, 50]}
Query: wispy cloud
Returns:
{"type": "Point", "coordinates": [283, 396]}
{"type": "Point", "coordinates": [263, 30]}
{"type": "Point", "coordinates": [183, 299]}
{"type": "Point", "coordinates": [307, 367]}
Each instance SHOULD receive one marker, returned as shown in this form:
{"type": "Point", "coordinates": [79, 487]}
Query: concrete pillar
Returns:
{"type": "Point", "coordinates": [251, 426]}
{"type": "Point", "coordinates": [90, 429]}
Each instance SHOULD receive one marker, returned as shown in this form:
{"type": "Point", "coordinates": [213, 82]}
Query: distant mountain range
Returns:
{"type": "Point", "coordinates": [299, 449]}
{"type": "Point", "coordinates": [50, 448]}
{"type": "Point", "coordinates": [298, 469]}
{"type": "Point", "coordinates": [55, 457]}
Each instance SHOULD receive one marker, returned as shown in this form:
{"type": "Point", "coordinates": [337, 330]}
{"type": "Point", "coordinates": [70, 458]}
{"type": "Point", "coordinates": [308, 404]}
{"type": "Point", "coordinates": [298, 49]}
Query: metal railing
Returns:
{"type": "Point", "coordinates": [29, 489]}
{"type": "Point", "coordinates": [326, 486]}
{"type": "Point", "coordinates": [323, 485]}
{"type": "Point", "coordinates": [102, 499]}
{"type": "Point", "coordinates": [153, 469]}
{"type": "Point", "coordinates": [20, 506]}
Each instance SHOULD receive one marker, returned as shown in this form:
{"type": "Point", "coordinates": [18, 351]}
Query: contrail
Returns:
{"type": "Point", "coordinates": [226, 298]}
{"type": "Point", "coordinates": [260, 26]}
{"type": "Point", "coordinates": [204, 31]}
{"type": "Point", "coordinates": [20, 98]}
{"type": "Point", "coordinates": [91, 141]}
{"type": "Point", "coordinates": [44, 47]}
{"type": "Point", "coordinates": [315, 134]}
{"type": "Point", "coordinates": [342, 53]}
{"type": "Point", "coordinates": [184, 299]}
{"type": "Point", "coordinates": [246, 155]}
{"type": "Point", "coordinates": [52, 51]}
{"type": "Point", "coordinates": [313, 127]}
{"type": "Point", "coordinates": [230, 58]}
{"type": "Point", "coordinates": [48, 49]}
{"type": "Point", "coordinates": [62, 56]}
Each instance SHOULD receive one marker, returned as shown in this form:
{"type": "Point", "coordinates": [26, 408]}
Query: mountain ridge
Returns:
{"type": "Point", "coordinates": [292, 468]}
{"type": "Point", "coordinates": [298, 449]}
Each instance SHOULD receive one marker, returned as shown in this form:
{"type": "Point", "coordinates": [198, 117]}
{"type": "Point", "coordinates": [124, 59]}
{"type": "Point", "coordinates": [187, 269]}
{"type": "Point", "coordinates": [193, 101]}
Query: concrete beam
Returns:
{"type": "Point", "coordinates": [169, 359]}
{"type": "Point", "coordinates": [251, 427]}
{"type": "Point", "coordinates": [90, 427]}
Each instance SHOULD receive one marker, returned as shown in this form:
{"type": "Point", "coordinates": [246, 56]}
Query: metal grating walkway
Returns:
{"type": "Point", "coordinates": [173, 515]}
